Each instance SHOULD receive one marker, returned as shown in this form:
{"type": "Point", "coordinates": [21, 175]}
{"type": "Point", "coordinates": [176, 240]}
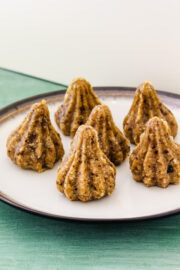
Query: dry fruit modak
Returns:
{"type": "Point", "coordinates": [35, 144]}
{"type": "Point", "coordinates": [78, 103]}
{"type": "Point", "coordinates": [146, 104]}
{"type": "Point", "coordinates": [156, 159]}
{"type": "Point", "coordinates": [111, 140]}
{"type": "Point", "coordinates": [86, 173]}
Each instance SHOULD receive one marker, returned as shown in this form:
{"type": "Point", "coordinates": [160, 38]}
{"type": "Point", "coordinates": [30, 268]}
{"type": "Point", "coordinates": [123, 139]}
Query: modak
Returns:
{"type": "Point", "coordinates": [35, 144]}
{"type": "Point", "coordinates": [111, 140]}
{"type": "Point", "coordinates": [86, 173]}
{"type": "Point", "coordinates": [156, 159]}
{"type": "Point", "coordinates": [146, 105]}
{"type": "Point", "coordinates": [78, 103]}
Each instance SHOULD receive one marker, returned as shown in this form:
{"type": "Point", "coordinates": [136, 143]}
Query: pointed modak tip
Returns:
{"type": "Point", "coordinates": [86, 131]}
{"type": "Point", "coordinates": [155, 121]}
{"type": "Point", "coordinates": [100, 108]}
{"type": "Point", "coordinates": [85, 128]}
{"type": "Point", "coordinates": [146, 85]}
{"type": "Point", "coordinates": [42, 103]}
{"type": "Point", "coordinates": [79, 81]}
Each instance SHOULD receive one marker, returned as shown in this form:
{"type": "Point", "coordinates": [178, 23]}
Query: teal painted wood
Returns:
{"type": "Point", "coordinates": [15, 86]}
{"type": "Point", "coordinates": [31, 242]}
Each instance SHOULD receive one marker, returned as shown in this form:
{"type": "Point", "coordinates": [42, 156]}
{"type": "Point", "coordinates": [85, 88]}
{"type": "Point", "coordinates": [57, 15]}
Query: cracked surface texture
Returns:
{"type": "Point", "coordinates": [86, 173]}
{"type": "Point", "coordinates": [146, 104]}
{"type": "Point", "coordinates": [35, 144]}
{"type": "Point", "coordinates": [111, 140]}
{"type": "Point", "coordinates": [78, 103]}
{"type": "Point", "coordinates": [156, 159]}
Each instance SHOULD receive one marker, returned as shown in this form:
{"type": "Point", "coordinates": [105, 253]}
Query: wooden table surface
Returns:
{"type": "Point", "coordinates": [32, 242]}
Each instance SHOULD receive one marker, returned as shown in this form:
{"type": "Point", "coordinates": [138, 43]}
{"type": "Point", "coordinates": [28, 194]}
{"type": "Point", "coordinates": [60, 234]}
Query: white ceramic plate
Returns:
{"type": "Point", "coordinates": [37, 193]}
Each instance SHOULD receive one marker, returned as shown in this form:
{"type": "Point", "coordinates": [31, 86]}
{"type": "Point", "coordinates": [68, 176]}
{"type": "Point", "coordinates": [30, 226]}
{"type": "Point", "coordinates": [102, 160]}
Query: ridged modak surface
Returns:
{"type": "Point", "coordinates": [146, 104]}
{"type": "Point", "coordinates": [111, 140]}
{"type": "Point", "coordinates": [35, 144]}
{"type": "Point", "coordinates": [156, 159]}
{"type": "Point", "coordinates": [78, 103]}
{"type": "Point", "coordinates": [86, 173]}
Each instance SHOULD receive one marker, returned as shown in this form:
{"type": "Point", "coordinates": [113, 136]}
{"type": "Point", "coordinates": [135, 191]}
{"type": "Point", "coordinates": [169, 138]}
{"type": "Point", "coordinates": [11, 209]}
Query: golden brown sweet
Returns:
{"type": "Point", "coordinates": [146, 105]}
{"type": "Point", "coordinates": [156, 159]}
{"type": "Point", "coordinates": [35, 144]}
{"type": "Point", "coordinates": [78, 103]}
{"type": "Point", "coordinates": [111, 140]}
{"type": "Point", "coordinates": [86, 173]}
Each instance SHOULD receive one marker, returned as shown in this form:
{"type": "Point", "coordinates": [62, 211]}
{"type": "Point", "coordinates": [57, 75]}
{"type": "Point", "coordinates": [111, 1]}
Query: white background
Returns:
{"type": "Point", "coordinates": [108, 42]}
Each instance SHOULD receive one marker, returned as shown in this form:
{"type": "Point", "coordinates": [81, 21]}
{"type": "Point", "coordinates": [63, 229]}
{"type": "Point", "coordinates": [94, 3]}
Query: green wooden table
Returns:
{"type": "Point", "coordinates": [33, 242]}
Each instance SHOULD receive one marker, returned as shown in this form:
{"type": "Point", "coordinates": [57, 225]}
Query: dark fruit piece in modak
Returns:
{"type": "Point", "coordinates": [78, 103]}
{"type": "Point", "coordinates": [35, 144]}
{"type": "Point", "coordinates": [146, 104]}
{"type": "Point", "coordinates": [86, 173]}
{"type": "Point", "coordinates": [111, 140]}
{"type": "Point", "coordinates": [156, 159]}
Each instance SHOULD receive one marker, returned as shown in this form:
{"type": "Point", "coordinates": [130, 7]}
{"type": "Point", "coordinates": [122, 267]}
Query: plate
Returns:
{"type": "Point", "coordinates": [37, 193]}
